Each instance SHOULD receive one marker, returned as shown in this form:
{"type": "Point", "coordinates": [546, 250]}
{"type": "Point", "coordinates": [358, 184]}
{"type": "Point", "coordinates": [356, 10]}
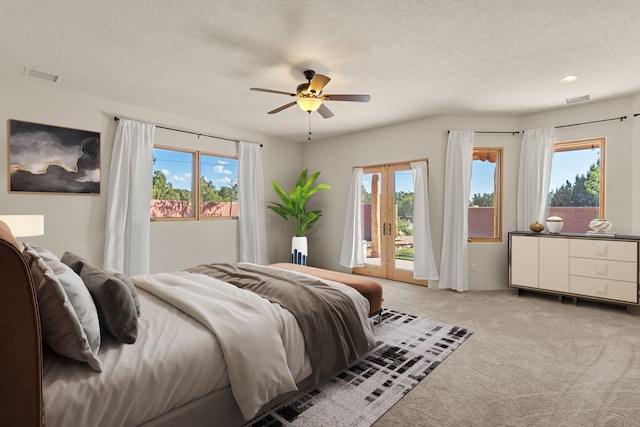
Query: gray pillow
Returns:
{"type": "Point", "coordinates": [116, 308]}
{"type": "Point", "coordinates": [76, 262]}
{"type": "Point", "coordinates": [68, 316]}
{"type": "Point", "coordinates": [131, 287]}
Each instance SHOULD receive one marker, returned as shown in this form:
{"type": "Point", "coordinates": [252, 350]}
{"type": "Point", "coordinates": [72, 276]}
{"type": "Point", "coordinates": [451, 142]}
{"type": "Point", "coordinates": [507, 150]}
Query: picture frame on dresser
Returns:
{"type": "Point", "coordinates": [52, 159]}
{"type": "Point", "coordinates": [579, 266]}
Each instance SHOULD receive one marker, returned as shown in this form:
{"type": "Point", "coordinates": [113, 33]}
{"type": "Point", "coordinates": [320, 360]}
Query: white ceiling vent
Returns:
{"type": "Point", "coordinates": [576, 99]}
{"type": "Point", "coordinates": [30, 72]}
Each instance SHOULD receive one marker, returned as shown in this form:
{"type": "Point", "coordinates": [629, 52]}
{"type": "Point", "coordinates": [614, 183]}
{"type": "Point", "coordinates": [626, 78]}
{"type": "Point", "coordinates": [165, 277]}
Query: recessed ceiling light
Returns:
{"type": "Point", "coordinates": [568, 79]}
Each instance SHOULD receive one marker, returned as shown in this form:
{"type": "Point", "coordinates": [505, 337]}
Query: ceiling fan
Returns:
{"type": "Point", "coordinates": [310, 97]}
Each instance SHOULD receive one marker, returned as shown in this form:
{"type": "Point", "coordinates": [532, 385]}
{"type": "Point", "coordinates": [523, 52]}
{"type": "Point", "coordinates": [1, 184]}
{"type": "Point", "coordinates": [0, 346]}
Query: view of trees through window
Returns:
{"type": "Point", "coordinates": [583, 191]}
{"type": "Point", "coordinates": [576, 190]}
{"type": "Point", "coordinates": [403, 199]}
{"type": "Point", "coordinates": [404, 206]}
{"type": "Point", "coordinates": [174, 189]}
{"type": "Point", "coordinates": [218, 186]}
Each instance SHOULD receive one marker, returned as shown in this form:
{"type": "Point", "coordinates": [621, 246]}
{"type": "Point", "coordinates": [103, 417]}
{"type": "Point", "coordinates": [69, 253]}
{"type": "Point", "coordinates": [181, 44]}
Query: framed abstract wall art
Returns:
{"type": "Point", "coordinates": [53, 159]}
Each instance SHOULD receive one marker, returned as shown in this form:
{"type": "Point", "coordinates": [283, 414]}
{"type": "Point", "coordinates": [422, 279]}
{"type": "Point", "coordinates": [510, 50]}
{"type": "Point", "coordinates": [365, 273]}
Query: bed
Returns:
{"type": "Point", "coordinates": [208, 348]}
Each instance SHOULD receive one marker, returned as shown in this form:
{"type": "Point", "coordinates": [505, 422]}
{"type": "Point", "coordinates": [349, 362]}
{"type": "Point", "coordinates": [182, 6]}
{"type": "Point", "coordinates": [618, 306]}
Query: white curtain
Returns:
{"type": "Point", "coordinates": [129, 201]}
{"type": "Point", "coordinates": [352, 254]}
{"type": "Point", "coordinates": [253, 241]}
{"type": "Point", "coordinates": [534, 175]}
{"type": "Point", "coordinates": [424, 264]}
{"type": "Point", "coordinates": [453, 265]}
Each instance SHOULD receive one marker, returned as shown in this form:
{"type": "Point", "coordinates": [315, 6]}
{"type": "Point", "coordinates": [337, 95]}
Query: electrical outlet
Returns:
{"type": "Point", "coordinates": [472, 268]}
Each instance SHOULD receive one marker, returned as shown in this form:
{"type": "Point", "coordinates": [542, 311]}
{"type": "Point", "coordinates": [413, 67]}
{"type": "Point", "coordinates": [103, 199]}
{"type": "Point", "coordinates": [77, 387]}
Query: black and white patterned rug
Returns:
{"type": "Point", "coordinates": [408, 349]}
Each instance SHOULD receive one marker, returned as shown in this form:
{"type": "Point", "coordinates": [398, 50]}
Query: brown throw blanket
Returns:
{"type": "Point", "coordinates": [327, 317]}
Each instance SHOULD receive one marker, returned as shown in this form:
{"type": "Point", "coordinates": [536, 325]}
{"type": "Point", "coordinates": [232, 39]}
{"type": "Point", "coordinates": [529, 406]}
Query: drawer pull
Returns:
{"type": "Point", "coordinates": [601, 250]}
{"type": "Point", "coordinates": [602, 288]}
{"type": "Point", "coordinates": [601, 269]}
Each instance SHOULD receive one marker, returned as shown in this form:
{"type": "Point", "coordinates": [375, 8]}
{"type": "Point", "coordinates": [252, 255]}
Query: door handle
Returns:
{"type": "Point", "coordinates": [386, 229]}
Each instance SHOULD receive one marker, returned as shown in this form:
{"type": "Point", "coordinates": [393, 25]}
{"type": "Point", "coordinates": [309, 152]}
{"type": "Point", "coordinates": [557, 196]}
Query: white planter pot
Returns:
{"type": "Point", "coordinates": [299, 250]}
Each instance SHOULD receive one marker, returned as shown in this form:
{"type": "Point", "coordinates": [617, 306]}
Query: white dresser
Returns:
{"type": "Point", "coordinates": [578, 266]}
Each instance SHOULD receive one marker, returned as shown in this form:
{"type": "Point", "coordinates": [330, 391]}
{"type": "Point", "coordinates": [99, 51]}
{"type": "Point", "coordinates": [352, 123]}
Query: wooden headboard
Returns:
{"type": "Point", "coordinates": [20, 339]}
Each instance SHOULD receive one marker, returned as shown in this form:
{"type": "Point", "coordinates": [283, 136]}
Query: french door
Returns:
{"type": "Point", "coordinates": [387, 222]}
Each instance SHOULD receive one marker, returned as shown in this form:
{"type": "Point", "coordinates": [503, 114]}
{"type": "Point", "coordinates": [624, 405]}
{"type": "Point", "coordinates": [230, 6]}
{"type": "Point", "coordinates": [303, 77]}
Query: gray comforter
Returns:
{"type": "Point", "coordinates": [327, 317]}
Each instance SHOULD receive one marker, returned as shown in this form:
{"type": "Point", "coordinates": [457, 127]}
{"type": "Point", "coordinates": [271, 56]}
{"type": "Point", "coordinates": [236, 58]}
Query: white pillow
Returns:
{"type": "Point", "coordinates": [68, 315]}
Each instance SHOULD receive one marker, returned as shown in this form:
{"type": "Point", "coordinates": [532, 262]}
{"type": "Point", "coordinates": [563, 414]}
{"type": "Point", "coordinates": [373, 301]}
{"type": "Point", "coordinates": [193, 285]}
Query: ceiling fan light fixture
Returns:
{"type": "Point", "coordinates": [309, 104]}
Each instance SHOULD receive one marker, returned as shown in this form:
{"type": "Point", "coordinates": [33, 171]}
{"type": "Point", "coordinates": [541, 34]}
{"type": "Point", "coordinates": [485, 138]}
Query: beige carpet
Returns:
{"type": "Point", "coordinates": [531, 361]}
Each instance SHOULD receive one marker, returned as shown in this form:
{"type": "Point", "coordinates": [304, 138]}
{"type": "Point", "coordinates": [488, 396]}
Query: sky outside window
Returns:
{"type": "Point", "coordinates": [221, 171]}
{"type": "Point", "coordinates": [177, 166]}
{"type": "Point", "coordinates": [566, 165]}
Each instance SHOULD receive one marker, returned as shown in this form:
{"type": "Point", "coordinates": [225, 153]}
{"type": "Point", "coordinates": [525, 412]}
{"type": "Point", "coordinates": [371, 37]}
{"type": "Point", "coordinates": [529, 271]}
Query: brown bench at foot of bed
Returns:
{"type": "Point", "coordinates": [368, 288]}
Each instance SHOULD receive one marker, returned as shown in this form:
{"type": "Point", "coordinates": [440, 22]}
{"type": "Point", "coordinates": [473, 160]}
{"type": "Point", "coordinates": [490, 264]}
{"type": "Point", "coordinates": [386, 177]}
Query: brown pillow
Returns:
{"type": "Point", "coordinates": [116, 307]}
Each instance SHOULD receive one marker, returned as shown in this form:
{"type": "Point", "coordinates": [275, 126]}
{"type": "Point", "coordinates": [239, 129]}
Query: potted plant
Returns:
{"type": "Point", "coordinates": [293, 207]}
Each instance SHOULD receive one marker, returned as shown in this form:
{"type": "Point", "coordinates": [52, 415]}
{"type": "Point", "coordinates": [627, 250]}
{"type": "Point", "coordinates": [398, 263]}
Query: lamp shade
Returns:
{"type": "Point", "coordinates": [309, 104]}
{"type": "Point", "coordinates": [24, 225]}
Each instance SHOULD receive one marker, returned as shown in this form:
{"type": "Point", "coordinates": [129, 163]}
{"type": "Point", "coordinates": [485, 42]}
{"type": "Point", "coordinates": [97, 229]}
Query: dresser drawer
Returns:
{"type": "Point", "coordinates": [604, 288]}
{"type": "Point", "coordinates": [604, 249]}
{"type": "Point", "coordinates": [604, 269]}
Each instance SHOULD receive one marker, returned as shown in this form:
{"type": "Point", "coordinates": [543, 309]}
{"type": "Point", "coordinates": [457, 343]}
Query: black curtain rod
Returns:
{"type": "Point", "coordinates": [116, 118]}
{"type": "Point", "coordinates": [595, 121]}
{"type": "Point", "coordinates": [636, 115]}
{"type": "Point", "coordinates": [497, 131]}
{"type": "Point", "coordinates": [494, 131]}
{"type": "Point", "coordinates": [621, 118]}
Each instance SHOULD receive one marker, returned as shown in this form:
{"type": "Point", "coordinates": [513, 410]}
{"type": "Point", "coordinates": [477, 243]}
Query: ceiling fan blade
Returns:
{"type": "Point", "coordinates": [318, 83]}
{"type": "Point", "coordinates": [277, 110]}
{"type": "Point", "coordinates": [325, 112]}
{"type": "Point", "coordinates": [355, 98]}
{"type": "Point", "coordinates": [272, 91]}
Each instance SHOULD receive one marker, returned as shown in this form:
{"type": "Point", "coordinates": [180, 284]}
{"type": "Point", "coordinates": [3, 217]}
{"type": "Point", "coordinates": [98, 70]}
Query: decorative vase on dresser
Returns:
{"type": "Point", "coordinates": [554, 224]}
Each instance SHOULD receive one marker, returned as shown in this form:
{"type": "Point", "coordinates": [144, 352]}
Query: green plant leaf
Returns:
{"type": "Point", "coordinates": [280, 192]}
{"type": "Point", "coordinates": [293, 206]}
{"type": "Point", "coordinates": [302, 178]}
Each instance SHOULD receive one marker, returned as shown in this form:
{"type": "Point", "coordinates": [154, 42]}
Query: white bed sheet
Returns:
{"type": "Point", "coordinates": [174, 361]}
{"type": "Point", "coordinates": [261, 342]}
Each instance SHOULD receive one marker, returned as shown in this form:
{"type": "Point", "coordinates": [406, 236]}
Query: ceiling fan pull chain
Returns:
{"type": "Point", "coordinates": [309, 137]}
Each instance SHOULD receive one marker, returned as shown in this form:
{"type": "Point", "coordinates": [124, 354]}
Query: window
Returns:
{"type": "Point", "coordinates": [485, 204]}
{"type": "Point", "coordinates": [576, 189]}
{"type": "Point", "coordinates": [172, 191]}
{"type": "Point", "coordinates": [218, 186]}
{"type": "Point", "coordinates": [175, 191]}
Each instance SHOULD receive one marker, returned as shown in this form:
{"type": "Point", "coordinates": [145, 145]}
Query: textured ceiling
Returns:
{"type": "Point", "coordinates": [199, 58]}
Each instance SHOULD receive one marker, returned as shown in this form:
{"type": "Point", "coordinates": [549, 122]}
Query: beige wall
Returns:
{"type": "Point", "coordinates": [77, 222]}
{"type": "Point", "coordinates": [619, 186]}
{"type": "Point", "coordinates": [428, 137]}
{"type": "Point", "coordinates": [635, 159]}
